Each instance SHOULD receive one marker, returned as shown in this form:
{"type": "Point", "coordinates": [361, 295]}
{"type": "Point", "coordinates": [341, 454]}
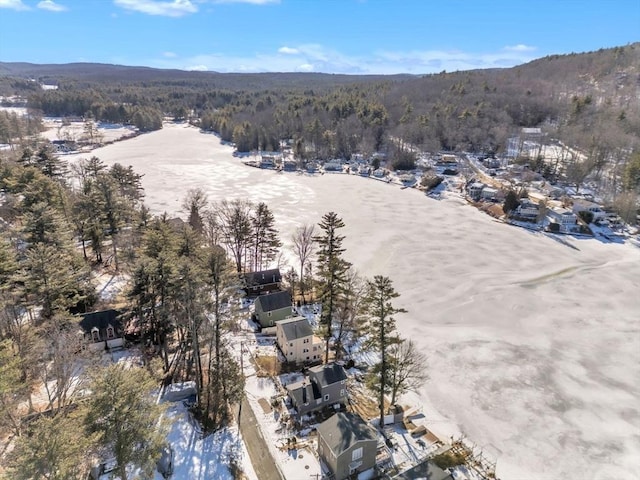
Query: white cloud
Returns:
{"type": "Point", "coordinates": [51, 6]}
{"type": "Point", "coordinates": [169, 55]}
{"type": "Point", "coordinates": [288, 50]}
{"type": "Point", "coordinates": [173, 8]}
{"type": "Point", "coordinates": [318, 58]}
{"type": "Point", "coordinates": [252, 2]}
{"type": "Point", "coordinates": [197, 68]}
{"type": "Point", "coordinates": [13, 4]}
{"type": "Point", "coordinates": [520, 48]}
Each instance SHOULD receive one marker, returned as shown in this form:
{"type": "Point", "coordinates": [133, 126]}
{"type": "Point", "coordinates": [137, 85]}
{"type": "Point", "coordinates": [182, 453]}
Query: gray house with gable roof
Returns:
{"type": "Point", "coordinates": [324, 386]}
{"type": "Point", "coordinates": [347, 445]}
{"type": "Point", "coordinates": [270, 308]}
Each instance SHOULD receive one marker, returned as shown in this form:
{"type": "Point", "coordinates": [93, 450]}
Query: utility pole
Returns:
{"type": "Point", "coordinates": [242, 371]}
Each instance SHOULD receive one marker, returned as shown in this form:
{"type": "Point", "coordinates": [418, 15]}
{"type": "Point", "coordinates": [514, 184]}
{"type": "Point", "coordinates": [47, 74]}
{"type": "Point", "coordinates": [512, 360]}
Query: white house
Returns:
{"type": "Point", "coordinates": [528, 209]}
{"type": "Point", "coordinates": [580, 205]}
{"type": "Point", "coordinates": [297, 342]}
{"type": "Point", "coordinates": [489, 193]}
{"type": "Point", "coordinates": [563, 217]}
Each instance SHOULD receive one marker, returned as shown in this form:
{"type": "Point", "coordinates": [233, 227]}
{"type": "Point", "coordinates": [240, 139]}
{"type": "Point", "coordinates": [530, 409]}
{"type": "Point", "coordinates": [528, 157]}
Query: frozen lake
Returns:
{"type": "Point", "coordinates": [533, 344]}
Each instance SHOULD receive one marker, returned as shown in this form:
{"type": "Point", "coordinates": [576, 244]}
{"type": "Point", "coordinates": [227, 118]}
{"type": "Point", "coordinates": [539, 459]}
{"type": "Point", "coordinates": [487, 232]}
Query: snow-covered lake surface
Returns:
{"type": "Point", "coordinates": [533, 343]}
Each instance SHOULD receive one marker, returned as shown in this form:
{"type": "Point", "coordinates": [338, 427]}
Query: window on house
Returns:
{"type": "Point", "coordinates": [326, 397]}
{"type": "Point", "coordinates": [290, 353]}
{"type": "Point", "coordinates": [110, 332]}
{"type": "Point", "coordinates": [95, 335]}
{"type": "Point", "coordinates": [268, 314]}
{"type": "Point", "coordinates": [307, 358]}
{"type": "Point", "coordinates": [291, 344]}
{"type": "Point", "coordinates": [356, 454]}
{"type": "Point", "coordinates": [342, 392]}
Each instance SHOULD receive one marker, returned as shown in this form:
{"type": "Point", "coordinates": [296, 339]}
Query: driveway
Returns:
{"type": "Point", "coordinates": [259, 453]}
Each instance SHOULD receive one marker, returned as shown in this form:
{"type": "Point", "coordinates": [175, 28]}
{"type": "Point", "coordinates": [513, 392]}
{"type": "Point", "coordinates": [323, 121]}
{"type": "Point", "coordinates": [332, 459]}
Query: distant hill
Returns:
{"type": "Point", "coordinates": [105, 73]}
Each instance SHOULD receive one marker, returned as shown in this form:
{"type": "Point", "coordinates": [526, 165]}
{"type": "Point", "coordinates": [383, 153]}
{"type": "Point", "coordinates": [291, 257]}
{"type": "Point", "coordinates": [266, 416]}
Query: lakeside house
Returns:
{"type": "Point", "coordinates": [290, 166]}
{"type": "Point", "coordinates": [298, 344]}
{"type": "Point", "coordinates": [425, 469]}
{"type": "Point", "coordinates": [347, 445]}
{"type": "Point", "coordinates": [333, 166]}
{"type": "Point", "coordinates": [270, 159]}
{"type": "Point", "coordinates": [324, 386]}
{"type": "Point", "coordinates": [564, 218]}
{"type": "Point", "coordinates": [489, 194]}
{"type": "Point", "coordinates": [581, 205]}
{"type": "Point", "coordinates": [272, 307]}
{"type": "Point", "coordinates": [474, 190]}
{"type": "Point", "coordinates": [264, 281]}
{"type": "Point", "coordinates": [527, 210]}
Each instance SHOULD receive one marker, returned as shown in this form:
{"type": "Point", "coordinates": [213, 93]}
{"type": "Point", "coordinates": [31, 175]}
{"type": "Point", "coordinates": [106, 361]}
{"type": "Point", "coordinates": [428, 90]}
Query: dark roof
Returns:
{"type": "Point", "coordinates": [328, 374]}
{"type": "Point", "coordinates": [263, 277]}
{"type": "Point", "coordinates": [426, 469]}
{"type": "Point", "coordinates": [303, 392]}
{"type": "Point", "coordinates": [100, 320]}
{"type": "Point", "coordinates": [274, 301]}
{"type": "Point", "coordinates": [341, 431]}
{"type": "Point", "coordinates": [294, 328]}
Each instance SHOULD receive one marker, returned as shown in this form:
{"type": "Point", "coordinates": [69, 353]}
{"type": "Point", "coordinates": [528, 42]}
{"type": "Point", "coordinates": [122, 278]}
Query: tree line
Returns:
{"type": "Point", "coordinates": [570, 96]}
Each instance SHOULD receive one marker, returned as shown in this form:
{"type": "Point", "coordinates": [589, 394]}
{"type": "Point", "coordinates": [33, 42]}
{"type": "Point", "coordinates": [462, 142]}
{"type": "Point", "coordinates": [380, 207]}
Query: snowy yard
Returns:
{"type": "Point", "coordinates": [199, 458]}
{"type": "Point", "coordinates": [109, 285]}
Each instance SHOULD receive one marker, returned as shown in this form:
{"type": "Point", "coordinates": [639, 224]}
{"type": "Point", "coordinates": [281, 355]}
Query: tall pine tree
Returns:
{"type": "Point", "coordinates": [381, 327]}
{"type": "Point", "coordinates": [332, 271]}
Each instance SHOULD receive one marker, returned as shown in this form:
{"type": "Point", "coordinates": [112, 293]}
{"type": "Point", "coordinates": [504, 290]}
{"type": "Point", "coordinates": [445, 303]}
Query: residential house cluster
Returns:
{"type": "Point", "coordinates": [273, 311]}
{"type": "Point", "coordinates": [347, 444]}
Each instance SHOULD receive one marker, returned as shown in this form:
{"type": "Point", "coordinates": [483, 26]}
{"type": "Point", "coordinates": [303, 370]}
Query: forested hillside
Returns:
{"type": "Point", "coordinates": [579, 99]}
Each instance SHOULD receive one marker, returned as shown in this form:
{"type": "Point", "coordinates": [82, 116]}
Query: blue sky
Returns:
{"type": "Point", "coordinates": [333, 36]}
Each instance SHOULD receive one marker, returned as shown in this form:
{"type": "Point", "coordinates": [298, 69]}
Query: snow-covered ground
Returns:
{"type": "Point", "coordinates": [533, 343]}
{"type": "Point", "coordinates": [108, 132]}
{"type": "Point", "coordinates": [109, 285]}
{"type": "Point", "coordinates": [197, 457]}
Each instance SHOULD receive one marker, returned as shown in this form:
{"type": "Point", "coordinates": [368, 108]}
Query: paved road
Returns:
{"type": "Point", "coordinates": [261, 459]}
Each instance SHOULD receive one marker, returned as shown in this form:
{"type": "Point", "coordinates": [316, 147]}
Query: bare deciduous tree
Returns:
{"type": "Point", "coordinates": [235, 225]}
{"type": "Point", "coordinates": [406, 369]}
{"type": "Point", "coordinates": [303, 246]}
